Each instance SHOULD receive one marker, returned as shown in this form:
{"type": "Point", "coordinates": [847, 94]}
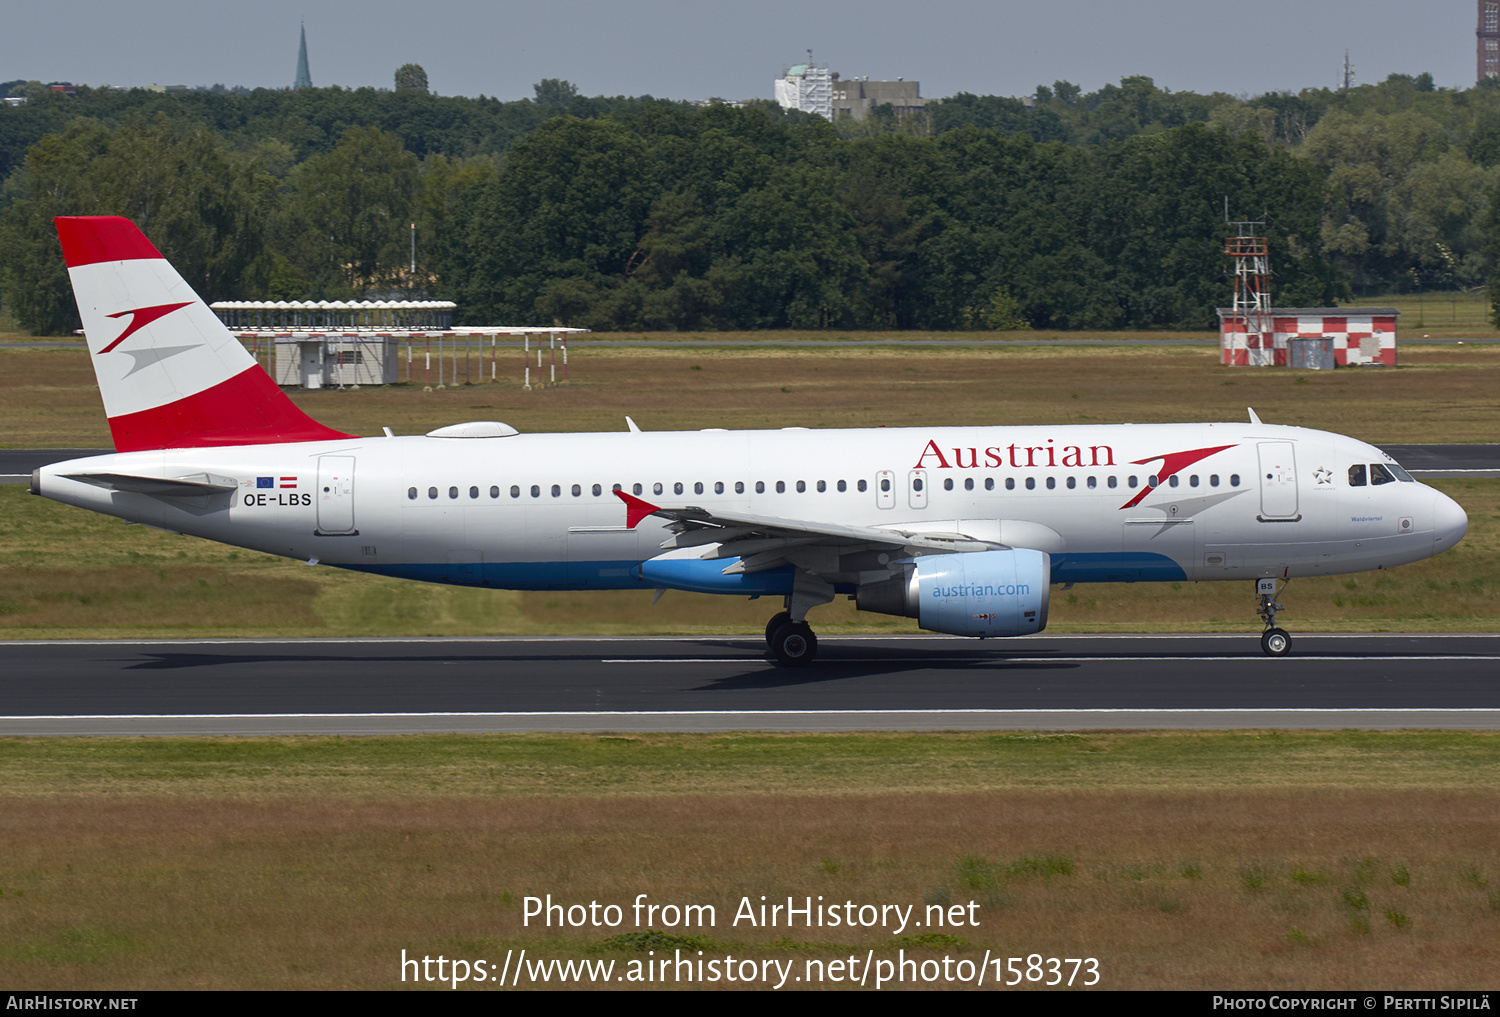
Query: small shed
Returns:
{"type": "Point", "coordinates": [1360, 335]}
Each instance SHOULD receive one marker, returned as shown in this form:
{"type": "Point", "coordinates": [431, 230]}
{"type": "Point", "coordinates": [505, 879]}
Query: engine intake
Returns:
{"type": "Point", "coordinates": [983, 593]}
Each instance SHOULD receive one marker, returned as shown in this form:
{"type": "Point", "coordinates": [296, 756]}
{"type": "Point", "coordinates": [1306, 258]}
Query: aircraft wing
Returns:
{"type": "Point", "coordinates": [765, 542]}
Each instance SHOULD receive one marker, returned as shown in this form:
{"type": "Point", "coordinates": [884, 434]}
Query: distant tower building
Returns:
{"type": "Point", "coordinates": [304, 79]}
{"type": "Point", "coordinates": [857, 98]}
{"type": "Point", "coordinates": [806, 87]}
{"type": "Point", "coordinates": [1488, 43]}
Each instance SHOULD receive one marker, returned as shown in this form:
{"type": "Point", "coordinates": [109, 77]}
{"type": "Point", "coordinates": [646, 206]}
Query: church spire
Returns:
{"type": "Point", "coordinates": [304, 79]}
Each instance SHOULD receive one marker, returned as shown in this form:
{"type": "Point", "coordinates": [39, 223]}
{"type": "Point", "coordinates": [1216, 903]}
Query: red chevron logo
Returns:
{"type": "Point", "coordinates": [1171, 463]}
{"type": "Point", "coordinates": [143, 316]}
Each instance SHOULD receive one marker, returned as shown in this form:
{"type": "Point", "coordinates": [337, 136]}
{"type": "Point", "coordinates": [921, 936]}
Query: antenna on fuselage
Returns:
{"type": "Point", "coordinates": [1253, 418]}
{"type": "Point", "coordinates": [633, 428]}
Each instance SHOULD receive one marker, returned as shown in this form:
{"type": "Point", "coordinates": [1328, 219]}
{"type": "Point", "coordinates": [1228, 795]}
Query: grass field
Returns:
{"type": "Point", "coordinates": [1244, 860]}
{"type": "Point", "coordinates": [1445, 394]}
{"type": "Point", "coordinates": [1258, 860]}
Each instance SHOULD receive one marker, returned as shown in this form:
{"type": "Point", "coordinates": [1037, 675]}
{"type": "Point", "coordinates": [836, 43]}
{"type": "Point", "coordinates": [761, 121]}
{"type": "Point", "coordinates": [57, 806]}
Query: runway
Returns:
{"type": "Point", "coordinates": [250, 687]}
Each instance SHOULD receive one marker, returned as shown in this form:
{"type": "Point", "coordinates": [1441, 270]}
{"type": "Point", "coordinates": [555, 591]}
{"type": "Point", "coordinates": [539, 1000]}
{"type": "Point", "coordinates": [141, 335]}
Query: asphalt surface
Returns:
{"type": "Point", "coordinates": [655, 684]}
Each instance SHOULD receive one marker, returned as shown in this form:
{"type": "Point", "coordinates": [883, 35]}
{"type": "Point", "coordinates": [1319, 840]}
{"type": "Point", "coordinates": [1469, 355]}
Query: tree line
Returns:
{"type": "Point", "coordinates": [1068, 210]}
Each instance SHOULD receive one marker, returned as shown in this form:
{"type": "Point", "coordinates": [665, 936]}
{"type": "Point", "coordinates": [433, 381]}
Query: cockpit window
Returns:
{"type": "Point", "coordinates": [1357, 475]}
{"type": "Point", "coordinates": [1401, 475]}
{"type": "Point", "coordinates": [1380, 475]}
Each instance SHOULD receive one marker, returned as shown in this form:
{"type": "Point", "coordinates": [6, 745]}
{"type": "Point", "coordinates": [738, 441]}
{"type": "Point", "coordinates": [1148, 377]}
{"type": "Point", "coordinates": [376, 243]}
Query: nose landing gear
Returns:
{"type": "Point", "coordinates": [1274, 641]}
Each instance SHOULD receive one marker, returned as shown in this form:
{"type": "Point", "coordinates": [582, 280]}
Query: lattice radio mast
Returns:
{"type": "Point", "coordinates": [1252, 287]}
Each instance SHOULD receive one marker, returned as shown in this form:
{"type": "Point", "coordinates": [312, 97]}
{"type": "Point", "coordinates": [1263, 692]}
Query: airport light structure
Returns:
{"type": "Point", "coordinates": [1250, 314]}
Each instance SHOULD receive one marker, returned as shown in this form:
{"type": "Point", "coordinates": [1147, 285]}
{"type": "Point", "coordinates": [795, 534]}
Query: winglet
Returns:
{"type": "Point", "coordinates": [636, 509]}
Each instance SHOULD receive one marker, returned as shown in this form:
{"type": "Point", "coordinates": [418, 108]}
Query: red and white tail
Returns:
{"type": "Point", "coordinates": [171, 374]}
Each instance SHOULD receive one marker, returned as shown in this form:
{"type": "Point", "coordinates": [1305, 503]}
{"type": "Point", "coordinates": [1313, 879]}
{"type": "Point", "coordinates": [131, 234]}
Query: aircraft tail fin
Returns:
{"type": "Point", "coordinates": [170, 373]}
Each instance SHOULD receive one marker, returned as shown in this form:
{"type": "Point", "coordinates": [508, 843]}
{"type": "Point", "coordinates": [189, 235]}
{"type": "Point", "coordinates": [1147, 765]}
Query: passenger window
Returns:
{"type": "Point", "coordinates": [1072, 483]}
{"type": "Point", "coordinates": [947, 483]}
{"type": "Point", "coordinates": [822, 486]}
{"type": "Point", "coordinates": [1234, 480]}
{"type": "Point", "coordinates": [598, 490]}
{"type": "Point", "coordinates": [1153, 481]}
{"type": "Point", "coordinates": [760, 487]}
{"type": "Point", "coordinates": [968, 483]}
{"type": "Point", "coordinates": [698, 487]}
{"type": "Point", "coordinates": [1380, 475]}
{"type": "Point", "coordinates": [1093, 483]}
{"type": "Point", "coordinates": [536, 490]}
{"type": "Point", "coordinates": [557, 490]}
{"type": "Point", "coordinates": [843, 486]}
{"type": "Point", "coordinates": [781, 487]}
{"type": "Point", "coordinates": [453, 492]}
{"type": "Point", "coordinates": [718, 487]}
{"type": "Point", "coordinates": [494, 491]}
{"type": "Point", "coordinates": [1010, 483]}
{"type": "Point", "coordinates": [1112, 482]}
{"type": "Point", "coordinates": [916, 485]}
{"type": "Point", "coordinates": [432, 492]}
{"type": "Point", "coordinates": [739, 487]}
{"type": "Point", "coordinates": [677, 487]}
{"type": "Point", "coordinates": [635, 488]}
{"type": "Point", "coordinates": [989, 483]}
{"type": "Point", "coordinates": [801, 487]}
{"type": "Point", "coordinates": [1193, 480]}
{"type": "Point", "coordinates": [1213, 480]}
{"type": "Point", "coordinates": [862, 486]}
{"type": "Point", "coordinates": [473, 492]}
{"type": "Point", "coordinates": [577, 490]}
{"type": "Point", "coordinates": [885, 484]}
{"type": "Point", "coordinates": [1174, 481]}
{"type": "Point", "coordinates": [411, 492]}
{"type": "Point", "coordinates": [656, 488]}
{"type": "Point", "coordinates": [515, 490]}
{"type": "Point", "coordinates": [1031, 483]}
{"type": "Point", "coordinates": [1051, 483]}
{"type": "Point", "coordinates": [1131, 481]}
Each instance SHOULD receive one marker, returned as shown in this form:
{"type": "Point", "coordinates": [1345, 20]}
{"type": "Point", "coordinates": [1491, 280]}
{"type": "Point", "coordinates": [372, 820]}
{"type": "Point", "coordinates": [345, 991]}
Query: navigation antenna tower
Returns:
{"type": "Point", "coordinates": [1252, 288]}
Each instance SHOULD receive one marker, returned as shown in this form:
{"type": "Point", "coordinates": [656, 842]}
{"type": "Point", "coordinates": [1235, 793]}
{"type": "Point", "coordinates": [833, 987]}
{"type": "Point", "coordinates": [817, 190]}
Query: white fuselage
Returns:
{"type": "Point", "coordinates": [537, 511]}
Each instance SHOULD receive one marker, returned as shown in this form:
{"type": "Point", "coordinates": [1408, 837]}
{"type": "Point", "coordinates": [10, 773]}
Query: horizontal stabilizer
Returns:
{"type": "Point", "coordinates": [195, 486]}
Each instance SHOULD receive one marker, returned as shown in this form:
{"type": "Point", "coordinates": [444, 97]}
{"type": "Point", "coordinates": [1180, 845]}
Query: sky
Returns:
{"type": "Point", "coordinates": [697, 49]}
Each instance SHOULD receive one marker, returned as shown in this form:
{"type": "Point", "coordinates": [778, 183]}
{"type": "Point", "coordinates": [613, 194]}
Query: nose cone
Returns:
{"type": "Point", "coordinates": [1449, 523]}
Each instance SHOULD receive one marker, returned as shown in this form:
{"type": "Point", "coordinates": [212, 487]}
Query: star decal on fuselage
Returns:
{"type": "Point", "coordinates": [1323, 475]}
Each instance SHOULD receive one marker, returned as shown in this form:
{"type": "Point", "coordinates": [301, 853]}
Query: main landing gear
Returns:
{"type": "Point", "coordinates": [792, 643]}
{"type": "Point", "coordinates": [788, 636]}
{"type": "Point", "coordinates": [1274, 642]}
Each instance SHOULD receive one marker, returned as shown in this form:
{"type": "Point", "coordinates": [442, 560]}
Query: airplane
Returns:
{"type": "Point", "coordinates": [965, 529]}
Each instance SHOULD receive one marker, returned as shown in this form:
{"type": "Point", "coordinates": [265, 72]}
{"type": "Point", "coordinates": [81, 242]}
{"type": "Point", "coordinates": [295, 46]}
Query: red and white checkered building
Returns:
{"type": "Point", "coordinates": [1361, 335]}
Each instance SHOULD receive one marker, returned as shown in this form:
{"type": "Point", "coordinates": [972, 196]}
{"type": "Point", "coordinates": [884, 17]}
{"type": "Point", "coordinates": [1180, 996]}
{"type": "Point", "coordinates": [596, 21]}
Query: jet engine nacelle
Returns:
{"type": "Point", "coordinates": [982, 593]}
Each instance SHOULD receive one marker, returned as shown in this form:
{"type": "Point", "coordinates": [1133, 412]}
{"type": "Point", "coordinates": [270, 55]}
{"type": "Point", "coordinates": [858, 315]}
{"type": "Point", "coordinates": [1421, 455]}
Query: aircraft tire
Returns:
{"type": "Point", "coordinates": [777, 620]}
{"type": "Point", "coordinates": [1275, 643]}
{"type": "Point", "coordinates": [794, 644]}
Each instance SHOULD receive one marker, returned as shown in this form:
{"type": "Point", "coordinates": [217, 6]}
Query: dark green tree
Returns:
{"type": "Point", "coordinates": [411, 78]}
{"type": "Point", "coordinates": [204, 209]}
{"type": "Point", "coordinates": [554, 92]}
{"type": "Point", "coordinates": [347, 219]}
